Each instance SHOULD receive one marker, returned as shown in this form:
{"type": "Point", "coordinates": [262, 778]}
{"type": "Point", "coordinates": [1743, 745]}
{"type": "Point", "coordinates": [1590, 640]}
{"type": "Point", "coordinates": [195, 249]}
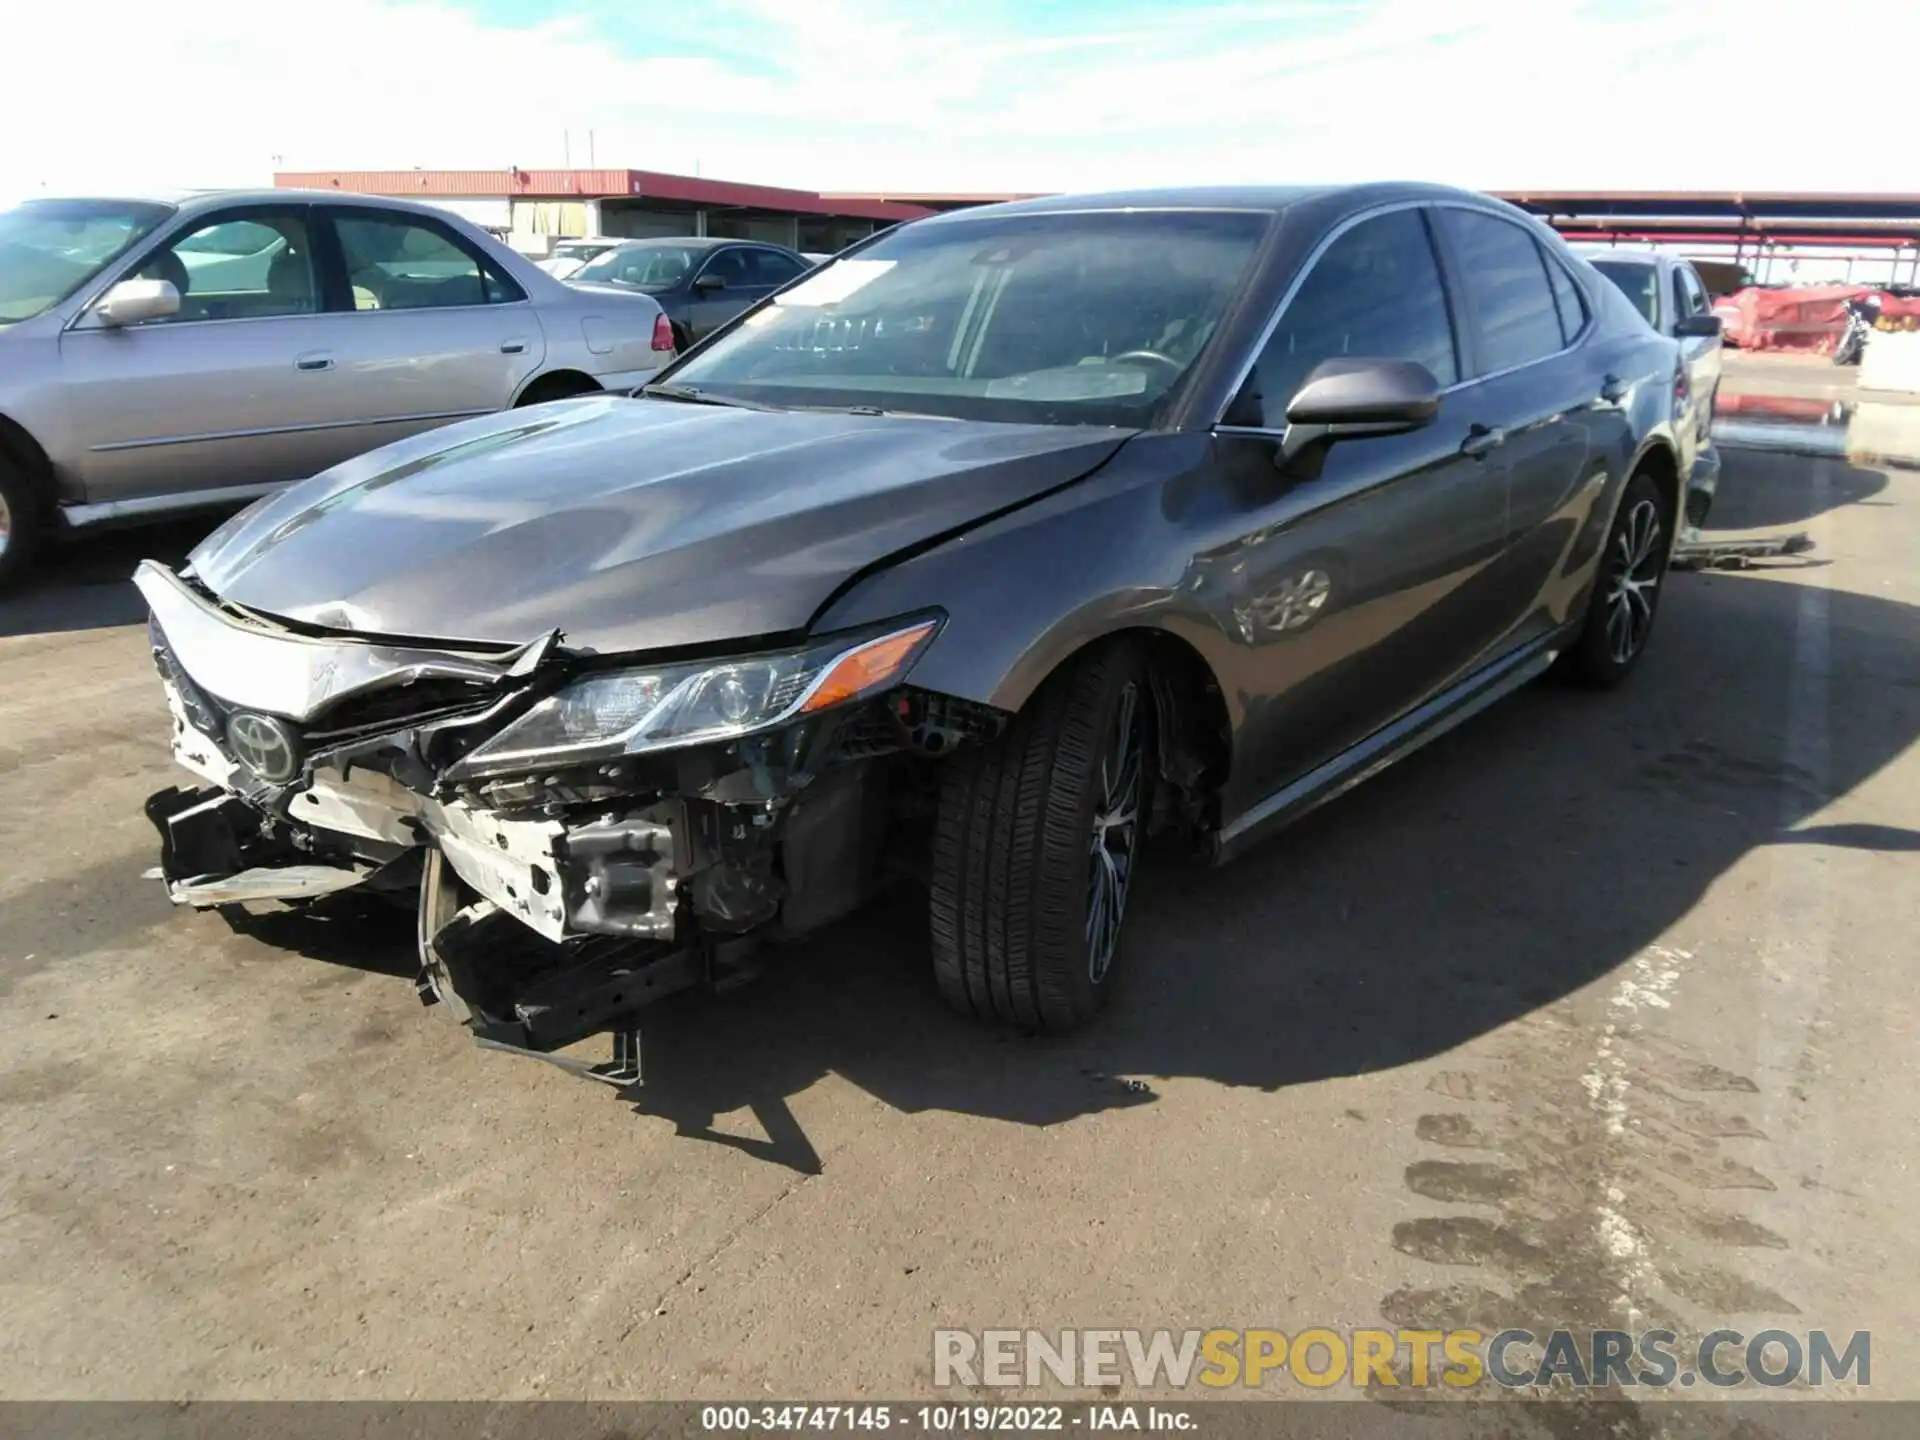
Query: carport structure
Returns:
{"type": "Point", "coordinates": [545, 204]}
{"type": "Point", "coordinates": [1878, 235]}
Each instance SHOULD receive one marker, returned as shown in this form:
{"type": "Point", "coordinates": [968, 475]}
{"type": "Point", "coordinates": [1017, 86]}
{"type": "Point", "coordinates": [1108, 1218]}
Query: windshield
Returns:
{"type": "Point", "coordinates": [1639, 282]}
{"type": "Point", "coordinates": [50, 248]}
{"type": "Point", "coordinates": [1053, 318]}
{"type": "Point", "coordinates": [645, 267]}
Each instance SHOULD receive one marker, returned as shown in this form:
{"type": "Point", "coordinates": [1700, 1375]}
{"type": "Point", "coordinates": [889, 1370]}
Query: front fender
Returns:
{"type": "Point", "coordinates": [1027, 591]}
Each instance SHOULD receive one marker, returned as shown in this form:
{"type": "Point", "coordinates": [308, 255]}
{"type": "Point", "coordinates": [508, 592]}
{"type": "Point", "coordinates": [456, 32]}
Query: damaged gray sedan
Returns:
{"type": "Point", "coordinates": [965, 561]}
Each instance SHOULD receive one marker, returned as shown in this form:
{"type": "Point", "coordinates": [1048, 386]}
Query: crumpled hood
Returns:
{"type": "Point", "coordinates": [626, 524]}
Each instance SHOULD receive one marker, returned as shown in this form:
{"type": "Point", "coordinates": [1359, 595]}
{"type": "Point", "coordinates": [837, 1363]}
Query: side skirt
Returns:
{"type": "Point", "coordinates": [1428, 721]}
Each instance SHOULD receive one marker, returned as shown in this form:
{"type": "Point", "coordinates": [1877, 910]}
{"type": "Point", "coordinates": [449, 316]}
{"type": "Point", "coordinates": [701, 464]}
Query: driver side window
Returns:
{"type": "Point", "coordinates": [239, 267]}
{"type": "Point", "coordinates": [1375, 293]}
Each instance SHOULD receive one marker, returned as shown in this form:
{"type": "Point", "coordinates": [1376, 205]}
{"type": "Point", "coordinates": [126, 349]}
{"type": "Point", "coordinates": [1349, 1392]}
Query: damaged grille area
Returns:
{"type": "Point", "coordinates": [403, 705]}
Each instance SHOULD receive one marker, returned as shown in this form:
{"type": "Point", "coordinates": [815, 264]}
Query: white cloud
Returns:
{"type": "Point", "coordinates": [875, 94]}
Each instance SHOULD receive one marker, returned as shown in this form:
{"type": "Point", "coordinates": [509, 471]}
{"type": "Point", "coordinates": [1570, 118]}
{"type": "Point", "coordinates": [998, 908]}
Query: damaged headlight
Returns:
{"type": "Point", "coordinates": [624, 712]}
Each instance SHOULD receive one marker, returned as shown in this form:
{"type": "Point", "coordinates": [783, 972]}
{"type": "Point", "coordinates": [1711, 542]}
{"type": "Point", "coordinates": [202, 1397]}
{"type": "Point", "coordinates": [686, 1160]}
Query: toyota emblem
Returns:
{"type": "Point", "coordinates": [265, 746]}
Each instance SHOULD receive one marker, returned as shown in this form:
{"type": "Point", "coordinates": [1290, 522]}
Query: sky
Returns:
{"type": "Point", "coordinates": [967, 95]}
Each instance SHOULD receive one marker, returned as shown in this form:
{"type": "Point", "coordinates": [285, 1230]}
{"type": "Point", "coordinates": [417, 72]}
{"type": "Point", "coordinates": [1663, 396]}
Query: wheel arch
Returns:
{"type": "Point", "coordinates": [1658, 458]}
{"type": "Point", "coordinates": [1193, 728]}
{"type": "Point", "coordinates": [556, 385]}
{"type": "Point", "coordinates": [19, 449]}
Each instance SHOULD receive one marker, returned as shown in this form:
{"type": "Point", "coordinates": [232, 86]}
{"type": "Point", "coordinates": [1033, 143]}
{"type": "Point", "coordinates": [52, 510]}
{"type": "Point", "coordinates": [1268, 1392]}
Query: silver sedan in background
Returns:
{"type": "Point", "coordinates": [159, 355]}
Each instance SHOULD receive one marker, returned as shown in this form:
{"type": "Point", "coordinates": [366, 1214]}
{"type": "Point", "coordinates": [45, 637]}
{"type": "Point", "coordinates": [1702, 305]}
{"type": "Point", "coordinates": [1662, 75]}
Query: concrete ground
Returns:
{"type": "Point", "coordinates": [1790, 373]}
{"type": "Point", "coordinates": [1600, 1011]}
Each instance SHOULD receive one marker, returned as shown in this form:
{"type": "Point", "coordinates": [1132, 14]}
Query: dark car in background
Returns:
{"type": "Point", "coordinates": [700, 283]}
{"type": "Point", "coordinates": [1175, 511]}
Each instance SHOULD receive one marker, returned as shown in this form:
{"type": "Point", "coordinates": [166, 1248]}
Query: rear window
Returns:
{"type": "Point", "coordinates": [1639, 282]}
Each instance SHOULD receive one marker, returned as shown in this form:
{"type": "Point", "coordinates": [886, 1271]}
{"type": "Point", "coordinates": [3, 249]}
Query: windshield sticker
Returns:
{"type": "Point", "coordinates": [835, 283]}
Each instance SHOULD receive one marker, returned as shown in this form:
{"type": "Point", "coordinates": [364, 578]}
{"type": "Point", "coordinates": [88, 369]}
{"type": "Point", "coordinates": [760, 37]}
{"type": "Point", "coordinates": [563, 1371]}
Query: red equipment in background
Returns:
{"type": "Point", "coordinates": [1811, 318]}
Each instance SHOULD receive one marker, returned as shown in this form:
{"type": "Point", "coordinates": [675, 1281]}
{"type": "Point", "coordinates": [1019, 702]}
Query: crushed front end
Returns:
{"type": "Point", "coordinates": [583, 836]}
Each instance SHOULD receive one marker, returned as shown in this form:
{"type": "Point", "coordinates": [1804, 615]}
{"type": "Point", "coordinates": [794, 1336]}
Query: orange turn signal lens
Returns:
{"type": "Point", "coordinates": [870, 667]}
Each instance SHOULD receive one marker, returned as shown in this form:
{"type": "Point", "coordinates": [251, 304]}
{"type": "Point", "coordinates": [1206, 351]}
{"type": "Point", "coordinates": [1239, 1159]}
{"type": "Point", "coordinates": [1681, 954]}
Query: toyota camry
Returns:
{"type": "Point", "coordinates": [968, 560]}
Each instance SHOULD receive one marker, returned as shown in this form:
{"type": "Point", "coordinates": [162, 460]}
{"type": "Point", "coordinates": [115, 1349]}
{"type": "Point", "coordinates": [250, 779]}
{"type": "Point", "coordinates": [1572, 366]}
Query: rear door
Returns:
{"type": "Point", "coordinates": [1356, 591]}
{"type": "Point", "coordinates": [428, 328]}
{"type": "Point", "coordinates": [218, 395]}
{"type": "Point", "coordinates": [1527, 319]}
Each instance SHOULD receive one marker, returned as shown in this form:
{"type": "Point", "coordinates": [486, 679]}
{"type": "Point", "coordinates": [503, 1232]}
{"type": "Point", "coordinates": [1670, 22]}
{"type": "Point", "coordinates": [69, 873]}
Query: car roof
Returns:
{"type": "Point", "coordinates": [1595, 253]}
{"type": "Point", "coordinates": [1271, 198]}
{"type": "Point", "coordinates": [192, 201]}
{"type": "Point", "coordinates": [691, 242]}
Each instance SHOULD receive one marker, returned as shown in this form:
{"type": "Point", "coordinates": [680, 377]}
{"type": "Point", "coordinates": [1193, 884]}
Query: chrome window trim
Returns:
{"type": "Point", "coordinates": [1259, 347]}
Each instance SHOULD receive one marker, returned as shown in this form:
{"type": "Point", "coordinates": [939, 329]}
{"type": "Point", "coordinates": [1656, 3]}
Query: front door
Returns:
{"type": "Point", "coordinates": [740, 285]}
{"type": "Point", "coordinates": [216, 396]}
{"type": "Point", "coordinates": [1357, 592]}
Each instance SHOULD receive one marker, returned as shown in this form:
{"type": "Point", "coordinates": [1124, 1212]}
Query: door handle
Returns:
{"type": "Point", "coordinates": [1613, 389]}
{"type": "Point", "coordinates": [1482, 440]}
{"type": "Point", "coordinates": [513, 347]}
{"type": "Point", "coordinates": [315, 360]}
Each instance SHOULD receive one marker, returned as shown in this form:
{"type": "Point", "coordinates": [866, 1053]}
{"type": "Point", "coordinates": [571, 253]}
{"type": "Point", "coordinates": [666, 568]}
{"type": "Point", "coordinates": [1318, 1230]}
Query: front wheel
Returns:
{"type": "Point", "coordinates": [20, 523]}
{"type": "Point", "coordinates": [1036, 850]}
{"type": "Point", "coordinates": [1626, 594]}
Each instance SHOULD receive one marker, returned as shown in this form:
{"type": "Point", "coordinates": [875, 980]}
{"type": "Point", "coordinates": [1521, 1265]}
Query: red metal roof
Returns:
{"type": "Point", "coordinates": [939, 199]}
{"type": "Point", "coordinates": [598, 185]}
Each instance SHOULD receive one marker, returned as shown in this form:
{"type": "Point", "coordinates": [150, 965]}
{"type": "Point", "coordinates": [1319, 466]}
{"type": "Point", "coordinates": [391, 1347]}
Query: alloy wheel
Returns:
{"type": "Point", "coordinates": [6, 525]}
{"type": "Point", "coordinates": [1116, 821]}
{"type": "Point", "coordinates": [1633, 581]}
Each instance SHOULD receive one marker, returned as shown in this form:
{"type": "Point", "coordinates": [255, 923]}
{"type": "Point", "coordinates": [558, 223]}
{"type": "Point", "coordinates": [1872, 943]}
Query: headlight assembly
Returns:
{"type": "Point", "coordinates": [626, 712]}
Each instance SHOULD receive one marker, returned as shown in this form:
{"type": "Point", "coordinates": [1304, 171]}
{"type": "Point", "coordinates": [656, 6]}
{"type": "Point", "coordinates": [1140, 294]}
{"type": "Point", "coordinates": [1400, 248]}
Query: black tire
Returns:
{"type": "Point", "coordinates": [1015, 867]}
{"type": "Point", "coordinates": [682, 340]}
{"type": "Point", "coordinates": [22, 523]}
{"type": "Point", "coordinates": [1626, 592]}
{"type": "Point", "coordinates": [556, 387]}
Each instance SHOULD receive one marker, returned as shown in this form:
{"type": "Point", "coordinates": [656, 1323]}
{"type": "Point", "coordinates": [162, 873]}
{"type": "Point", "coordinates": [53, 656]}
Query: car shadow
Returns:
{"type": "Point", "coordinates": [84, 582]}
{"type": "Point", "coordinates": [1517, 860]}
{"type": "Point", "coordinates": [1763, 489]}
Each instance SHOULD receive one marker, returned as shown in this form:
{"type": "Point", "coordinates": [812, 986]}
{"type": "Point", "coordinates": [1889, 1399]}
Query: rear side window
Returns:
{"type": "Point", "coordinates": [1374, 294]}
{"type": "Point", "coordinates": [1566, 297]}
{"type": "Point", "coordinates": [397, 261]}
{"type": "Point", "coordinates": [1505, 277]}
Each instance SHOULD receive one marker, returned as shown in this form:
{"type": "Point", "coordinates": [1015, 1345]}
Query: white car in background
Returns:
{"type": "Point", "coordinates": [1671, 297]}
{"type": "Point", "coordinates": [569, 255]}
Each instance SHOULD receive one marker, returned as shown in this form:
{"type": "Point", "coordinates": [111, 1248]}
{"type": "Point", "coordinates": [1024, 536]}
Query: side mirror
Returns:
{"type": "Point", "coordinates": [133, 301]}
{"type": "Point", "coordinates": [707, 284]}
{"type": "Point", "coordinates": [1698, 327]}
{"type": "Point", "coordinates": [1346, 399]}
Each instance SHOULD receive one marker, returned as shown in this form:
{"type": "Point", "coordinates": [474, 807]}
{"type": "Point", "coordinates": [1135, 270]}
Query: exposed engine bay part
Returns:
{"type": "Point", "coordinates": [645, 832]}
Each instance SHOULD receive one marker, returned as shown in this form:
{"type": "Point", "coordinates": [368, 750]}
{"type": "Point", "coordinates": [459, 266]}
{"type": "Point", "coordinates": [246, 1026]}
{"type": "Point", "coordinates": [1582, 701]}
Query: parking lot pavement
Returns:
{"type": "Point", "coordinates": [1598, 1012]}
